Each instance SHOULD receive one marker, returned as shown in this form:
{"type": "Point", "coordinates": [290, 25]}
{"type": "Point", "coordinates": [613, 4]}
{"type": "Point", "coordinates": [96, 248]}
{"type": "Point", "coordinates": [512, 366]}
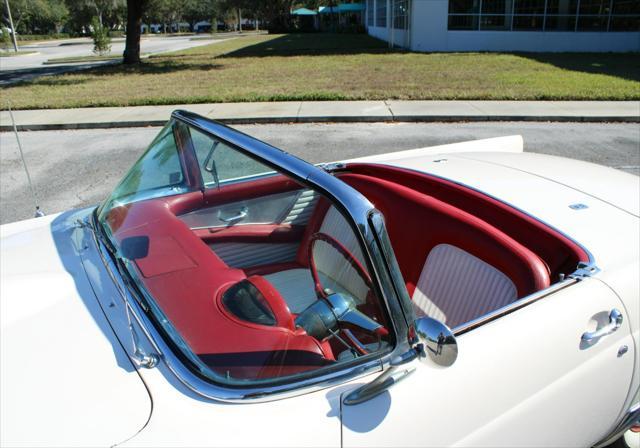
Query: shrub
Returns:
{"type": "Point", "coordinates": [6, 39]}
{"type": "Point", "coordinates": [101, 39]}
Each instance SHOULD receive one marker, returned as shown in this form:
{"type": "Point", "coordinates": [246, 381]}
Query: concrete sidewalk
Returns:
{"type": "Point", "coordinates": [329, 111]}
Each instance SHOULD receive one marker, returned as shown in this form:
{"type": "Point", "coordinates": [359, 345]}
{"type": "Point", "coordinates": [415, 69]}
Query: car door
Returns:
{"type": "Point", "coordinates": [525, 379]}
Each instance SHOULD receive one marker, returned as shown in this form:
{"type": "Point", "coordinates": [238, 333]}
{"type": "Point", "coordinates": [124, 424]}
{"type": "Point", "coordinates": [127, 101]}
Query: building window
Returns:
{"type": "Point", "coordinates": [370, 12]}
{"type": "Point", "coordinates": [544, 15]}
{"type": "Point", "coordinates": [381, 13]}
{"type": "Point", "coordinates": [528, 15]}
{"type": "Point", "coordinates": [400, 14]}
{"type": "Point", "coordinates": [463, 14]}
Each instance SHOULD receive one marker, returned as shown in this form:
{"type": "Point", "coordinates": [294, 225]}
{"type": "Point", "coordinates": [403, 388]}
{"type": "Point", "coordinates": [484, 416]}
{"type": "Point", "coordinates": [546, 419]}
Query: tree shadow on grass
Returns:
{"type": "Point", "coordinates": [156, 67]}
{"type": "Point", "coordinates": [144, 68]}
{"type": "Point", "coordinates": [312, 44]}
{"type": "Point", "coordinates": [53, 81]}
{"type": "Point", "coordinates": [619, 65]}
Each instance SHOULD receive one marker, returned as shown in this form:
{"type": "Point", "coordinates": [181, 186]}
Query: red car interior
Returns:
{"type": "Point", "coordinates": [558, 252]}
{"type": "Point", "coordinates": [187, 279]}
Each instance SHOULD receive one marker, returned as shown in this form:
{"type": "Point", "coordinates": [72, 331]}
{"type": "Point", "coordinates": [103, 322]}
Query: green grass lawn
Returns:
{"type": "Point", "coordinates": [333, 67]}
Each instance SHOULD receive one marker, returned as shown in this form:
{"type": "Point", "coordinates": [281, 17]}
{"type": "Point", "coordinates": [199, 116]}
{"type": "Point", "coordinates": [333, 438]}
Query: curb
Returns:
{"type": "Point", "coordinates": [330, 119]}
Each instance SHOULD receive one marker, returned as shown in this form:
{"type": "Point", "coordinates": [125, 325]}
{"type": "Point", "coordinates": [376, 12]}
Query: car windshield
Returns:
{"type": "Point", "coordinates": [252, 275]}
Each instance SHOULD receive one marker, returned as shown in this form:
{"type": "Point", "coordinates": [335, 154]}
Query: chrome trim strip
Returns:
{"type": "Point", "coordinates": [527, 300]}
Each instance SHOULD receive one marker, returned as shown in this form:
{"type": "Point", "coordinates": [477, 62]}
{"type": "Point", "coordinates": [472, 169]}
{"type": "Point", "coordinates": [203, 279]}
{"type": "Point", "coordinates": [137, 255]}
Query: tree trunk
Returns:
{"type": "Point", "coordinates": [135, 8]}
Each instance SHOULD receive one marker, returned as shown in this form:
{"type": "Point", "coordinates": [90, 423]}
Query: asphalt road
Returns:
{"type": "Point", "coordinates": [19, 68]}
{"type": "Point", "coordinates": [79, 168]}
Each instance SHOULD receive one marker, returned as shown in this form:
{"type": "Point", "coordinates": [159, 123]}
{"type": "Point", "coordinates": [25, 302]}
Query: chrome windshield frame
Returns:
{"type": "Point", "coordinates": [384, 269]}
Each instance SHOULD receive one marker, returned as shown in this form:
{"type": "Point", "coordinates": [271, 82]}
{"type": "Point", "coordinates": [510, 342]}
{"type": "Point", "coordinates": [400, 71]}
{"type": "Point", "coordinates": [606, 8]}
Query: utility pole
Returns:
{"type": "Point", "coordinates": [13, 30]}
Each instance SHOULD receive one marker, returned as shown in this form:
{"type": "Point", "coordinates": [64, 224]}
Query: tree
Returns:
{"type": "Point", "coordinates": [135, 10]}
{"type": "Point", "coordinates": [81, 12]}
{"type": "Point", "coordinates": [197, 10]}
{"type": "Point", "coordinates": [276, 13]}
{"type": "Point", "coordinates": [37, 16]}
{"type": "Point", "coordinates": [164, 12]}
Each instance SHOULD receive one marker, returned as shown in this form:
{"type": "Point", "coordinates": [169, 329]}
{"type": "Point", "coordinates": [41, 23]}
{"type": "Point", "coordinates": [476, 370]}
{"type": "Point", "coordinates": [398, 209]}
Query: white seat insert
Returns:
{"type": "Point", "coordinates": [456, 287]}
{"type": "Point", "coordinates": [296, 285]}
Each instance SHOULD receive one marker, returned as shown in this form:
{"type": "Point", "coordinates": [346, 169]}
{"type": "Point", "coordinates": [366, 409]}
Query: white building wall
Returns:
{"type": "Point", "coordinates": [400, 38]}
{"type": "Point", "coordinates": [378, 32]}
{"type": "Point", "coordinates": [429, 33]}
{"type": "Point", "coordinates": [538, 41]}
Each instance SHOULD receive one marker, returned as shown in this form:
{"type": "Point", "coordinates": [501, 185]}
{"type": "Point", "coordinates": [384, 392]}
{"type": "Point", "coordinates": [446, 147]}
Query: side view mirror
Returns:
{"type": "Point", "coordinates": [437, 340]}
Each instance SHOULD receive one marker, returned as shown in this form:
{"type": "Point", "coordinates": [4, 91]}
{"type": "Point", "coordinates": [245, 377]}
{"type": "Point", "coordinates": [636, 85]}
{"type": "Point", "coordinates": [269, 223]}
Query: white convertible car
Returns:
{"type": "Point", "coordinates": [228, 293]}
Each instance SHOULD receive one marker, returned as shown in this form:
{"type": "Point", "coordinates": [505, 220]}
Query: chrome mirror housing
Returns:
{"type": "Point", "coordinates": [437, 340]}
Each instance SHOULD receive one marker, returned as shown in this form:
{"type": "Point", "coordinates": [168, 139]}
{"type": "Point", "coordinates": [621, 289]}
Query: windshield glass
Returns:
{"type": "Point", "coordinates": [253, 275]}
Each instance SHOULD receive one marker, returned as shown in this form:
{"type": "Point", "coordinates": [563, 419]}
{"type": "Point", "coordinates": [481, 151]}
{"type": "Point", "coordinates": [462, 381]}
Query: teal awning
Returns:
{"type": "Point", "coordinates": [303, 12]}
{"type": "Point", "coordinates": [350, 7]}
{"type": "Point", "coordinates": [342, 7]}
{"type": "Point", "coordinates": [327, 9]}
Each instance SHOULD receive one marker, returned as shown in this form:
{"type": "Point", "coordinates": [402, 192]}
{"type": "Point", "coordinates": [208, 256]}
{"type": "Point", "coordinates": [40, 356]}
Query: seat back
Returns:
{"type": "Point", "coordinates": [456, 287]}
{"type": "Point", "coordinates": [417, 223]}
{"type": "Point", "coordinates": [329, 261]}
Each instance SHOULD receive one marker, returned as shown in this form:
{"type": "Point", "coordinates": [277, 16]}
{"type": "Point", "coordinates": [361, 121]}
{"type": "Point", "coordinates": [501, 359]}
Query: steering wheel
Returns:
{"type": "Point", "coordinates": [322, 318]}
{"type": "Point", "coordinates": [346, 253]}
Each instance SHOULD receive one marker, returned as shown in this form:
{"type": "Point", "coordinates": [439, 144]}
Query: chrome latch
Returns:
{"type": "Point", "coordinates": [333, 166]}
{"type": "Point", "coordinates": [395, 373]}
{"type": "Point", "coordinates": [142, 359]}
{"type": "Point", "coordinates": [584, 270]}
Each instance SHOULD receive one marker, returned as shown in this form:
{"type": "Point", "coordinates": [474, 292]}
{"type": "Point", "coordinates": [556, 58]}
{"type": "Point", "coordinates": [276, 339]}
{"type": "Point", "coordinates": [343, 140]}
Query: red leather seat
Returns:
{"type": "Point", "coordinates": [417, 223]}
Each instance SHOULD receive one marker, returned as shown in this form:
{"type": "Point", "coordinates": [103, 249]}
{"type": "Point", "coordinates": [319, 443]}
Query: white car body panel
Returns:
{"type": "Point", "coordinates": [522, 380]}
{"type": "Point", "coordinates": [600, 181]}
{"type": "Point", "coordinates": [182, 419]}
{"type": "Point", "coordinates": [502, 390]}
{"type": "Point", "coordinates": [66, 381]}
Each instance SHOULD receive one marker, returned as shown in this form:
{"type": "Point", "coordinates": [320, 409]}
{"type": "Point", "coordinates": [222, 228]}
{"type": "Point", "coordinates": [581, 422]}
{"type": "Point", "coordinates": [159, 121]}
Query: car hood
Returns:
{"type": "Point", "coordinates": [65, 378]}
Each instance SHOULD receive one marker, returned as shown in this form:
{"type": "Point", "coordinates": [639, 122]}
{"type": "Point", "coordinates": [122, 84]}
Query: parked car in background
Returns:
{"type": "Point", "coordinates": [228, 293]}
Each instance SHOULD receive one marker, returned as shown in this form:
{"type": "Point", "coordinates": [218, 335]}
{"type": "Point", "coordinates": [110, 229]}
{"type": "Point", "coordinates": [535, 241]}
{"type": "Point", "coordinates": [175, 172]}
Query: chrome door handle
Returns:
{"type": "Point", "coordinates": [244, 211]}
{"type": "Point", "coordinates": [615, 321]}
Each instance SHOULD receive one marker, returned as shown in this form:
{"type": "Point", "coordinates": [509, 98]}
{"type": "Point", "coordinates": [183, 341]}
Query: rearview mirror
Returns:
{"type": "Point", "coordinates": [438, 341]}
